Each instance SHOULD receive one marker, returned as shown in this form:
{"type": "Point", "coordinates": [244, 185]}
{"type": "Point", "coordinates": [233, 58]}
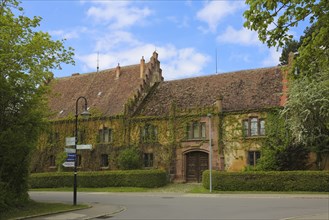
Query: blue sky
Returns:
{"type": "Point", "coordinates": [186, 35]}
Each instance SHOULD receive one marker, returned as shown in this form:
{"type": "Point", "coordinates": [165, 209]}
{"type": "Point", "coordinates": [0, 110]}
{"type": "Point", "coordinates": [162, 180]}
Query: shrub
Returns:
{"type": "Point", "coordinates": [119, 178]}
{"type": "Point", "coordinates": [317, 181]}
{"type": "Point", "coordinates": [129, 159]}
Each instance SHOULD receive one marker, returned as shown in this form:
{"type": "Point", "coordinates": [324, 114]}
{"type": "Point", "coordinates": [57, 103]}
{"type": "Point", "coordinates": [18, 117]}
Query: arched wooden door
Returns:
{"type": "Point", "coordinates": [196, 163]}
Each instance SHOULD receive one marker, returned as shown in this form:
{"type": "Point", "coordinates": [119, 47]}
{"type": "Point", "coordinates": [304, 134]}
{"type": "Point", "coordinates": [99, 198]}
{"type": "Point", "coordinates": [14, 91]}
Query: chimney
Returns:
{"type": "Point", "coordinates": [219, 103]}
{"type": "Point", "coordinates": [117, 71]}
{"type": "Point", "coordinates": [142, 68]}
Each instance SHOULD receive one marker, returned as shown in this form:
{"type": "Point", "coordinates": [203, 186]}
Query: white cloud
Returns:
{"type": "Point", "coordinates": [118, 14]}
{"type": "Point", "coordinates": [68, 35]}
{"type": "Point", "coordinates": [273, 58]}
{"type": "Point", "coordinates": [215, 11]}
{"type": "Point", "coordinates": [180, 22]}
{"type": "Point", "coordinates": [185, 62]}
{"type": "Point", "coordinates": [175, 63]}
{"type": "Point", "coordinates": [110, 40]}
{"type": "Point", "coordinates": [242, 36]}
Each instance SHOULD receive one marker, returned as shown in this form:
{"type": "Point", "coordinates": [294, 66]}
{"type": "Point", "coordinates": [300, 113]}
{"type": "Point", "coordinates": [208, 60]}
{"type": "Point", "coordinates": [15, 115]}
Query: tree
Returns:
{"type": "Point", "coordinates": [273, 20]}
{"type": "Point", "coordinates": [27, 58]}
{"type": "Point", "coordinates": [306, 111]}
{"type": "Point", "coordinates": [290, 47]}
{"type": "Point", "coordinates": [294, 45]}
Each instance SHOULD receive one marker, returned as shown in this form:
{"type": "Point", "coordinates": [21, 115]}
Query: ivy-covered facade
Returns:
{"type": "Point", "coordinates": [167, 122]}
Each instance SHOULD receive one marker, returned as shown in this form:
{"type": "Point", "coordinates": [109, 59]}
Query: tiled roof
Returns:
{"type": "Point", "coordinates": [242, 90]}
{"type": "Point", "coordinates": [105, 93]}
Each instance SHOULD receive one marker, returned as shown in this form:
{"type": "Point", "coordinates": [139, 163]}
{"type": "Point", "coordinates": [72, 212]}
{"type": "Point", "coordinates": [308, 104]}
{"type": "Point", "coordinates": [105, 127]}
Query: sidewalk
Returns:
{"type": "Point", "coordinates": [96, 211]}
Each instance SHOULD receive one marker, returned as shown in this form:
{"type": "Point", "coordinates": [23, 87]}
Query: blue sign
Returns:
{"type": "Point", "coordinates": [70, 157]}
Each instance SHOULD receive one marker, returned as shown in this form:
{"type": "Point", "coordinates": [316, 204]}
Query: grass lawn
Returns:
{"type": "Point", "coordinates": [173, 187]}
{"type": "Point", "coordinates": [35, 208]}
{"type": "Point", "coordinates": [170, 188]}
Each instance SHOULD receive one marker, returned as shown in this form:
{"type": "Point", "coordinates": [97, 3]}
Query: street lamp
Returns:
{"type": "Point", "coordinates": [84, 114]}
{"type": "Point", "coordinates": [210, 153]}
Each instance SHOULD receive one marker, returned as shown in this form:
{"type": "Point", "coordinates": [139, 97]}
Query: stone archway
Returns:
{"type": "Point", "coordinates": [196, 163]}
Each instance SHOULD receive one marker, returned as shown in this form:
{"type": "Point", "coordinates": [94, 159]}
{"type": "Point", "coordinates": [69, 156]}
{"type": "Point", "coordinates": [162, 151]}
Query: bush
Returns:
{"type": "Point", "coordinates": [129, 159]}
{"type": "Point", "coordinates": [3, 203]}
{"type": "Point", "coordinates": [316, 181]}
{"type": "Point", "coordinates": [119, 178]}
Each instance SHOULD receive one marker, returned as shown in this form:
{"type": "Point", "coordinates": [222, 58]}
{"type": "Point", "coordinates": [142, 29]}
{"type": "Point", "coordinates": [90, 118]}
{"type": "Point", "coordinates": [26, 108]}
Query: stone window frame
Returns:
{"type": "Point", "coordinates": [104, 160]}
{"type": "Point", "coordinates": [255, 155]}
{"type": "Point", "coordinates": [105, 135]}
{"type": "Point", "coordinates": [196, 130]}
{"type": "Point", "coordinates": [79, 160]}
{"type": "Point", "coordinates": [248, 124]}
{"type": "Point", "coordinates": [52, 161]}
{"type": "Point", "coordinates": [148, 160]}
{"type": "Point", "coordinates": [149, 133]}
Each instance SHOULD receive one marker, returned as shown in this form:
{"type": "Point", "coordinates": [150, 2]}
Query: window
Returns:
{"type": "Point", "coordinates": [262, 127]}
{"type": "Point", "coordinates": [53, 137]}
{"type": "Point", "coordinates": [253, 156]}
{"type": "Point", "coordinates": [253, 127]}
{"type": "Point", "coordinates": [52, 161]}
{"type": "Point", "coordinates": [148, 159]}
{"type": "Point", "coordinates": [196, 130]}
{"type": "Point", "coordinates": [149, 134]}
{"type": "Point", "coordinates": [105, 135]}
{"type": "Point", "coordinates": [104, 160]}
{"type": "Point", "coordinates": [78, 158]}
{"type": "Point", "coordinates": [81, 136]}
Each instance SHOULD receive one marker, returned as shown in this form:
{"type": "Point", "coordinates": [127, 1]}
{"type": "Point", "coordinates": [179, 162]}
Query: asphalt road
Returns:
{"type": "Point", "coordinates": [193, 206]}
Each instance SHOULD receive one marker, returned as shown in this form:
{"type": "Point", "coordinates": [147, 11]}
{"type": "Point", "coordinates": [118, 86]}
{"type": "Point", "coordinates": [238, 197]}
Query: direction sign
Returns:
{"type": "Point", "coordinates": [70, 150]}
{"type": "Point", "coordinates": [68, 164]}
{"type": "Point", "coordinates": [71, 157]}
{"type": "Point", "coordinates": [84, 147]}
{"type": "Point", "coordinates": [70, 141]}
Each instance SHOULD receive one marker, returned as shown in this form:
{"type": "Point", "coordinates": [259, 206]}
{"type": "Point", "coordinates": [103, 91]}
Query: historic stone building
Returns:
{"type": "Point", "coordinates": [168, 121]}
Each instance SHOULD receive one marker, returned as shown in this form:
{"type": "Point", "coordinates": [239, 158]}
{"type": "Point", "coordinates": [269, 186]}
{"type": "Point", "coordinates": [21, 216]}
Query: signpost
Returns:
{"type": "Point", "coordinates": [68, 164]}
{"type": "Point", "coordinates": [84, 147]}
{"type": "Point", "coordinates": [71, 152]}
{"type": "Point", "coordinates": [70, 141]}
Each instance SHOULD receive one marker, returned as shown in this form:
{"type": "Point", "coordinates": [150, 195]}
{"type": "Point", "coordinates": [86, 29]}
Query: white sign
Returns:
{"type": "Point", "coordinates": [69, 150]}
{"type": "Point", "coordinates": [68, 164]}
{"type": "Point", "coordinates": [70, 141]}
{"type": "Point", "coordinates": [84, 147]}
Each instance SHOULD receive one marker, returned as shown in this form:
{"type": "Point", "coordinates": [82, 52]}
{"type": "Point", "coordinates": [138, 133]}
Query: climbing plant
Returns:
{"type": "Point", "coordinates": [278, 151]}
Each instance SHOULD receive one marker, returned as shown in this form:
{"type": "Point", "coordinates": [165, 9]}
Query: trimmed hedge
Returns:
{"type": "Point", "coordinates": [119, 178]}
{"type": "Point", "coordinates": [316, 181]}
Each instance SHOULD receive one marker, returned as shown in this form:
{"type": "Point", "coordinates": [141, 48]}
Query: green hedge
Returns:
{"type": "Point", "coordinates": [127, 178]}
{"type": "Point", "coordinates": [316, 181]}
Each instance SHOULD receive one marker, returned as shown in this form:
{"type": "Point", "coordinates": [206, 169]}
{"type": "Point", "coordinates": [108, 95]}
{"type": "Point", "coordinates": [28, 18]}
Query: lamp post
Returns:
{"type": "Point", "coordinates": [85, 114]}
{"type": "Point", "coordinates": [210, 154]}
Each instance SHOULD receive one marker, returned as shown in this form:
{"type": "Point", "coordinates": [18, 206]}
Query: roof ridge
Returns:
{"type": "Point", "coordinates": [95, 72]}
{"type": "Point", "coordinates": [224, 73]}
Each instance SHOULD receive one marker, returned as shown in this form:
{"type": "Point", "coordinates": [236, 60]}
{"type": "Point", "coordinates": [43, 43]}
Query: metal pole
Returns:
{"type": "Point", "coordinates": [75, 158]}
{"type": "Point", "coordinates": [75, 147]}
{"type": "Point", "coordinates": [210, 154]}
